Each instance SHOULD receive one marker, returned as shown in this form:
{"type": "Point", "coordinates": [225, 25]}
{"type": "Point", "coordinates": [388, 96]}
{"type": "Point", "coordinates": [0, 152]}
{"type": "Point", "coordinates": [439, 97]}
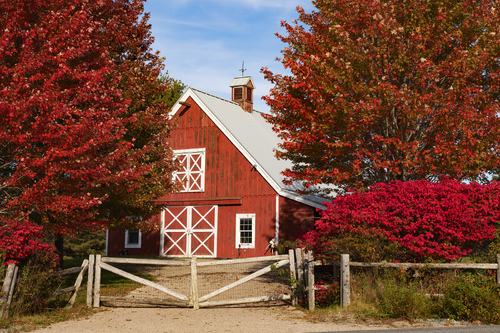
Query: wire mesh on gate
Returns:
{"type": "Point", "coordinates": [174, 277]}
{"type": "Point", "coordinates": [216, 276]}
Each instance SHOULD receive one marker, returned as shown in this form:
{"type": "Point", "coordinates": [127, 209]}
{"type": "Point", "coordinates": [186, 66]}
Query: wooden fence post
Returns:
{"type": "Point", "coordinates": [498, 269]}
{"type": "Point", "coordinates": [345, 290]}
{"type": "Point", "coordinates": [310, 280]}
{"type": "Point", "coordinates": [193, 299]}
{"type": "Point", "coordinates": [300, 271]}
{"type": "Point", "coordinates": [293, 276]}
{"type": "Point", "coordinates": [9, 285]}
{"type": "Point", "coordinates": [304, 267]}
{"type": "Point", "coordinates": [78, 283]}
{"type": "Point", "coordinates": [90, 279]}
{"type": "Point", "coordinates": [97, 281]}
{"type": "Point", "coordinates": [12, 287]}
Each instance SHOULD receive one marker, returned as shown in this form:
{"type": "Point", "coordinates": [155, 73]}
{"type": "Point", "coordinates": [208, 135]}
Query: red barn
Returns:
{"type": "Point", "coordinates": [233, 200]}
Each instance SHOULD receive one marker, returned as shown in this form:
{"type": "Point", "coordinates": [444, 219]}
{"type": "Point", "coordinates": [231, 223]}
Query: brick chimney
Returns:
{"type": "Point", "coordinates": [242, 92]}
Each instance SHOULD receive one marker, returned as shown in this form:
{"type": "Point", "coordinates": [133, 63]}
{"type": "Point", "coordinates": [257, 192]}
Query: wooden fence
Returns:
{"type": "Point", "coordinates": [10, 280]}
{"type": "Point", "coordinates": [304, 273]}
{"type": "Point", "coordinates": [301, 276]}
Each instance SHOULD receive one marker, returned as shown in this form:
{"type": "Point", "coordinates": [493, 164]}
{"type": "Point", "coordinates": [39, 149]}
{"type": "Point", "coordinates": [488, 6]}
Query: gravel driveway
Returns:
{"type": "Point", "coordinates": [251, 319]}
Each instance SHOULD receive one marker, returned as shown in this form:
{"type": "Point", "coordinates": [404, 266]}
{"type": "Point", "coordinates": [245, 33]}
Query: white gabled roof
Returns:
{"type": "Point", "coordinates": [254, 137]}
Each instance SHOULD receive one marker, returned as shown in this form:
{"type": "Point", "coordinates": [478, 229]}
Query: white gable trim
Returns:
{"type": "Point", "coordinates": [284, 193]}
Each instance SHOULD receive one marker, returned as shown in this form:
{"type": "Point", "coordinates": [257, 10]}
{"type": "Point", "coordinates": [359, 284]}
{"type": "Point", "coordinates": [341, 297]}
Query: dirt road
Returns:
{"type": "Point", "coordinates": [254, 319]}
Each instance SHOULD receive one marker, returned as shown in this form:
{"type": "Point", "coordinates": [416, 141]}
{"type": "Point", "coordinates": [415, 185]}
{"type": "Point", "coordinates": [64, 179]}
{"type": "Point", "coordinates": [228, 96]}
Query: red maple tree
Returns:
{"type": "Point", "coordinates": [384, 90]}
{"type": "Point", "coordinates": [83, 118]}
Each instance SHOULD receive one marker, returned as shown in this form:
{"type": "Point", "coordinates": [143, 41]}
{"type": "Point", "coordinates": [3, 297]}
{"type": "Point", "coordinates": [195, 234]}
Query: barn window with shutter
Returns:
{"type": "Point", "coordinates": [192, 173]}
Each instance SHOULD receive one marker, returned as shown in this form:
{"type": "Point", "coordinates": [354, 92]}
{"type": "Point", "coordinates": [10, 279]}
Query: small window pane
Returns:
{"type": "Point", "coordinates": [246, 231]}
{"type": "Point", "coordinates": [133, 237]}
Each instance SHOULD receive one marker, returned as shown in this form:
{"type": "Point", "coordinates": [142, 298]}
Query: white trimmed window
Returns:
{"type": "Point", "coordinates": [245, 231]}
{"type": "Point", "coordinates": [192, 174]}
{"type": "Point", "coordinates": [132, 239]}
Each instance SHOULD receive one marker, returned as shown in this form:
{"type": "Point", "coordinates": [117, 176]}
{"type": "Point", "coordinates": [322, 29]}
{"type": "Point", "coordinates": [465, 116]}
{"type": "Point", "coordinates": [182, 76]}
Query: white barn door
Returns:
{"type": "Point", "coordinates": [189, 231]}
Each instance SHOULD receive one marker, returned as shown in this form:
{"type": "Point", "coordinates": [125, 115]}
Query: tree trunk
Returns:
{"type": "Point", "coordinates": [59, 243]}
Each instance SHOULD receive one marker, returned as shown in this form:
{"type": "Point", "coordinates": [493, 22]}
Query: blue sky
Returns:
{"type": "Point", "coordinates": [205, 41]}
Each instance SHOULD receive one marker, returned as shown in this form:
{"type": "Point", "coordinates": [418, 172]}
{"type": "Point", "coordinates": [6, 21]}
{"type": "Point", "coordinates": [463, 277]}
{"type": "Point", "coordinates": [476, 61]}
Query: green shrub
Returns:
{"type": "Point", "coordinates": [401, 296]}
{"type": "Point", "coordinates": [493, 248]}
{"type": "Point", "coordinates": [404, 301]}
{"type": "Point", "coordinates": [34, 285]}
{"type": "Point", "coordinates": [360, 247]}
{"type": "Point", "coordinates": [390, 293]}
{"type": "Point", "coordinates": [472, 297]}
{"type": "Point", "coordinates": [394, 293]}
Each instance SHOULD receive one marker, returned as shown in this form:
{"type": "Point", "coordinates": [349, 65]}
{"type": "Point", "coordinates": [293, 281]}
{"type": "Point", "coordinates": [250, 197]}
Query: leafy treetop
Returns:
{"type": "Point", "coordinates": [384, 90]}
{"type": "Point", "coordinates": [83, 125]}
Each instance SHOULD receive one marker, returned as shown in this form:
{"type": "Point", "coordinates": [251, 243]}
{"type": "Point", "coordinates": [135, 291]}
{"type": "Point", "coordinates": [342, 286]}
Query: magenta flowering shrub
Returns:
{"type": "Point", "coordinates": [326, 294]}
{"type": "Point", "coordinates": [428, 220]}
{"type": "Point", "coordinates": [20, 240]}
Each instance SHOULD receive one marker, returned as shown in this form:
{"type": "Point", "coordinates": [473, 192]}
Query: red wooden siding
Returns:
{"type": "Point", "coordinates": [150, 241]}
{"type": "Point", "coordinates": [295, 218]}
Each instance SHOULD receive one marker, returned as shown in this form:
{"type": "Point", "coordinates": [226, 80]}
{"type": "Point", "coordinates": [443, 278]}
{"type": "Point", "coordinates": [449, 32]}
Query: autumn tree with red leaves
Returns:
{"type": "Point", "coordinates": [384, 90]}
{"type": "Point", "coordinates": [83, 115]}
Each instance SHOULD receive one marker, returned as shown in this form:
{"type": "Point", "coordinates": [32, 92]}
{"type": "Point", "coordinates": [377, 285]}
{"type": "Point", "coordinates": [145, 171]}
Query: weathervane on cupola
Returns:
{"type": "Point", "coordinates": [242, 90]}
{"type": "Point", "coordinates": [242, 70]}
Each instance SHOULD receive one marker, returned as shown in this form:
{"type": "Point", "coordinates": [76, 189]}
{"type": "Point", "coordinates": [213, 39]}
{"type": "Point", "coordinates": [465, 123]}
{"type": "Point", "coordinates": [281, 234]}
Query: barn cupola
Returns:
{"type": "Point", "coordinates": [242, 92]}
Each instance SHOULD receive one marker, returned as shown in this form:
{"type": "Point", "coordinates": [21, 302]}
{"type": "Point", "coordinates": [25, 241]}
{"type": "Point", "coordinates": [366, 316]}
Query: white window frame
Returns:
{"type": "Point", "coordinates": [133, 246]}
{"type": "Point", "coordinates": [238, 233]}
{"type": "Point", "coordinates": [187, 186]}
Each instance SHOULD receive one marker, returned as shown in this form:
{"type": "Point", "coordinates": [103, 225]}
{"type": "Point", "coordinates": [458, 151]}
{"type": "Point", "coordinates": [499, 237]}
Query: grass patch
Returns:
{"type": "Point", "coordinates": [385, 294]}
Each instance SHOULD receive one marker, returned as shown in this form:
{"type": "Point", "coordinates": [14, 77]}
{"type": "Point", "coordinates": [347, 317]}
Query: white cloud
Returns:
{"type": "Point", "coordinates": [292, 4]}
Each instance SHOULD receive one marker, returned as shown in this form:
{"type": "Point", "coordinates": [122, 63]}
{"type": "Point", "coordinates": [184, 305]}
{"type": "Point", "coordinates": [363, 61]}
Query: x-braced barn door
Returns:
{"type": "Point", "coordinates": [189, 231]}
